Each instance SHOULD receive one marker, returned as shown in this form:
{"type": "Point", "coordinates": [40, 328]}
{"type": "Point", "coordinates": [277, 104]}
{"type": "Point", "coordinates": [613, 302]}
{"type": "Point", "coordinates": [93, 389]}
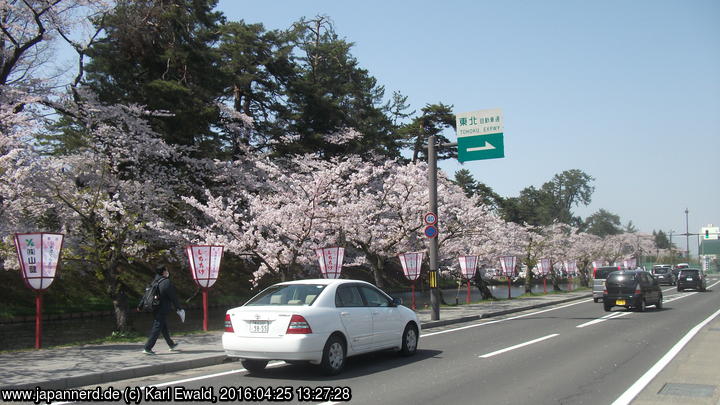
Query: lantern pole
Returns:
{"type": "Point", "coordinates": [413, 294]}
{"type": "Point", "coordinates": [205, 308]}
{"type": "Point", "coordinates": [38, 319]}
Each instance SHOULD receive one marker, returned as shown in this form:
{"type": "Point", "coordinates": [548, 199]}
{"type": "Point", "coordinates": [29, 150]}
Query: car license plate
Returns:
{"type": "Point", "coordinates": [619, 302]}
{"type": "Point", "coordinates": [259, 326]}
{"type": "Point", "coordinates": [689, 279]}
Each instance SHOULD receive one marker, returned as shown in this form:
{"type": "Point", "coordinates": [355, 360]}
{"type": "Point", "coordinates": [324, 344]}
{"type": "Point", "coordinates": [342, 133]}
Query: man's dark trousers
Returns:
{"type": "Point", "coordinates": [159, 326]}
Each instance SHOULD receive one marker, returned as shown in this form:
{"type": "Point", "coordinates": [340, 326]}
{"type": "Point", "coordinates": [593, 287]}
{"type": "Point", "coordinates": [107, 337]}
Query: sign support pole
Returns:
{"type": "Point", "coordinates": [467, 301]}
{"type": "Point", "coordinates": [205, 308]}
{"type": "Point", "coordinates": [38, 320]}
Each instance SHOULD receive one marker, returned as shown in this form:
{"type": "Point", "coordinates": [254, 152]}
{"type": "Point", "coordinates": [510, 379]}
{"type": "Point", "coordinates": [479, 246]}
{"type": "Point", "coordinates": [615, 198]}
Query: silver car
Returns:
{"type": "Point", "coordinates": [599, 276]}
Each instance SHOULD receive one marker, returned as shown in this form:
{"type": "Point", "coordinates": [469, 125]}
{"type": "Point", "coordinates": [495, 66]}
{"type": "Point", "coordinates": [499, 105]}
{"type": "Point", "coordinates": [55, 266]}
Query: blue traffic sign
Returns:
{"type": "Point", "coordinates": [431, 231]}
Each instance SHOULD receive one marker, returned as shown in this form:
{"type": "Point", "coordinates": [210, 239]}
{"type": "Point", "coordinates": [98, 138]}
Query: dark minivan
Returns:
{"type": "Point", "coordinates": [691, 278]}
{"type": "Point", "coordinates": [632, 289]}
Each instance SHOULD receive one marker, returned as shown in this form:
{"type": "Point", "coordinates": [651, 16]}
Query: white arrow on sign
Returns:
{"type": "Point", "coordinates": [488, 146]}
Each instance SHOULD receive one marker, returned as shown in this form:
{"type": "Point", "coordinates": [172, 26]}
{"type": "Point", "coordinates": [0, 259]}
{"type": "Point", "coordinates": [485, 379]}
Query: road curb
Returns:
{"type": "Point", "coordinates": [436, 324]}
{"type": "Point", "coordinates": [131, 372]}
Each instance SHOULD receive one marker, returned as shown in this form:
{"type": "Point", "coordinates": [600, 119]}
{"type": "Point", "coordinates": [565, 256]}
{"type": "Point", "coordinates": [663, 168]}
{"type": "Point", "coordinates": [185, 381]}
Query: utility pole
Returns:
{"type": "Point", "coordinates": [687, 235]}
{"type": "Point", "coordinates": [433, 254]}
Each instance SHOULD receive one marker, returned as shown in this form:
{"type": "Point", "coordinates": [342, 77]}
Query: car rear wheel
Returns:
{"type": "Point", "coordinates": [409, 340]}
{"type": "Point", "coordinates": [254, 366]}
{"type": "Point", "coordinates": [680, 289]}
{"type": "Point", "coordinates": [659, 304]}
{"type": "Point", "coordinates": [607, 307]}
{"type": "Point", "coordinates": [641, 305]}
{"type": "Point", "coordinates": [333, 359]}
{"type": "Point", "coordinates": [596, 299]}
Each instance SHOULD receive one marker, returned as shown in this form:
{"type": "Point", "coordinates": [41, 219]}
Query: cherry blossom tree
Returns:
{"type": "Point", "coordinates": [282, 222]}
{"type": "Point", "coordinates": [381, 211]}
{"type": "Point", "coordinates": [102, 196]}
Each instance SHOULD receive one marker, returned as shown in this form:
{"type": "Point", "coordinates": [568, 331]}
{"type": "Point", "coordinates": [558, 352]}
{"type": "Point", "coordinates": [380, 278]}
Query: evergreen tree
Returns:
{"type": "Point", "coordinates": [161, 54]}
{"type": "Point", "coordinates": [333, 106]}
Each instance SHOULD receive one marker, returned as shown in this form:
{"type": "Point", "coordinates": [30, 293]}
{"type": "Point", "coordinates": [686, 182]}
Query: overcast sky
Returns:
{"type": "Point", "coordinates": [626, 91]}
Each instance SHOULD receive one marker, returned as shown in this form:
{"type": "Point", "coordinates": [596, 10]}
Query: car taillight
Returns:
{"type": "Point", "coordinates": [298, 325]}
{"type": "Point", "coordinates": [605, 291]}
{"type": "Point", "coordinates": [637, 289]}
{"type": "Point", "coordinates": [594, 272]}
{"type": "Point", "coordinates": [228, 324]}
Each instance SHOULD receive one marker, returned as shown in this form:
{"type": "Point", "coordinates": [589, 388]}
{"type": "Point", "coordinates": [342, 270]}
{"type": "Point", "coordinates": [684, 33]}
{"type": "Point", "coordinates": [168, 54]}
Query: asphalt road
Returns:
{"type": "Point", "coordinates": [570, 354]}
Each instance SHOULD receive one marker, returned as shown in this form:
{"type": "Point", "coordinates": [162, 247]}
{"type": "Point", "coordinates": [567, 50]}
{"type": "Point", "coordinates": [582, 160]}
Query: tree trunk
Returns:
{"type": "Point", "coordinates": [122, 320]}
{"type": "Point", "coordinates": [118, 295]}
{"type": "Point", "coordinates": [556, 281]}
{"type": "Point", "coordinates": [482, 285]}
{"type": "Point", "coordinates": [528, 281]}
{"type": "Point", "coordinates": [378, 271]}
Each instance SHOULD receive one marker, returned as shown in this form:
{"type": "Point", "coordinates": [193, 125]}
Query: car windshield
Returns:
{"type": "Point", "coordinates": [287, 294]}
{"type": "Point", "coordinates": [621, 278]}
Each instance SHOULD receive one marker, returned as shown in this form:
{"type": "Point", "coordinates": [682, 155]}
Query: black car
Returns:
{"type": "Point", "coordinates": [664, 275]}
{"type": "Point", "coordinates": [632, 289]}
{"type": "Point", "coordinates": [691, 278]}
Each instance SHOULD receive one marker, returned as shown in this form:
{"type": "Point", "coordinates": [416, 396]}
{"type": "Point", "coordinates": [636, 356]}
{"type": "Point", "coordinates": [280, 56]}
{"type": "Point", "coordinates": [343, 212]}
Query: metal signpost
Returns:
{"type": "Point", "coordinates": [331, 259]}
{"type": "Point", "coordinates": [468, 267]}
{"type": "Point", "coordinates": [38, 255]}
{"type": "Point", "coordinates": [508, 267]}
{"type": "Point", "coordinates": [205, 269]}
{"type": "Point", "coordinates": [412, 263]}
{"type": "Point", "coordinates": [480, 136]}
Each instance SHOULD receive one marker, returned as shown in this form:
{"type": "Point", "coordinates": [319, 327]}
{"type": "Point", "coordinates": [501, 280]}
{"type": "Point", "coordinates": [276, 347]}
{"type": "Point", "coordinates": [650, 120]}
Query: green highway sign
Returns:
{"type": "Point", "coordinates": [480, 135]}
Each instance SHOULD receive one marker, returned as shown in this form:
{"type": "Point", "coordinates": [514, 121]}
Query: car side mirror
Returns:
{"type": "Point", "coordinates": [396, 301]}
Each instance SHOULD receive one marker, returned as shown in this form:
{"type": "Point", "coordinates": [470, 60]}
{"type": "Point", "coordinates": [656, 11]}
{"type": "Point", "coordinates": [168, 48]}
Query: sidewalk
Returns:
{"type": "Point", "coordinates": [78, 366]}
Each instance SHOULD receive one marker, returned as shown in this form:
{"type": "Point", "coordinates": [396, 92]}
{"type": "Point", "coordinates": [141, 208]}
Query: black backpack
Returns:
{"type": "Point", "coordinates": [150, 300]}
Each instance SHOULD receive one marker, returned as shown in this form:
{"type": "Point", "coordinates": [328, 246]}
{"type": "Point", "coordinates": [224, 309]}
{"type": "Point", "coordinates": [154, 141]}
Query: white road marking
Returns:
{"type": "Point", "coordinates": [501, 320]}
{"type": "Point", "coordinates": [604, 318]}
{"type": "Point", "coordinates": [495, 353]}
{"type": "Point", "coordinates": [640, 384]}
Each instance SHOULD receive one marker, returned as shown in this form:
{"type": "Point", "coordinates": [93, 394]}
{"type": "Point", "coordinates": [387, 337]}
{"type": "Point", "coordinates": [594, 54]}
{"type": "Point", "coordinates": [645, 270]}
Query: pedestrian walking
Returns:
{"type": "Point", "coordinates": [168, 302]}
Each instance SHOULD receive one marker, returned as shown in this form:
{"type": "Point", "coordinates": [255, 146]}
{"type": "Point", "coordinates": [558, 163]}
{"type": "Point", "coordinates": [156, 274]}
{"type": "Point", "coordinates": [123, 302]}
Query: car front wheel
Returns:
{"type": "Point", "coordinates": [333, 359]}
{"type": "Point", "coordinates": [409, 340]}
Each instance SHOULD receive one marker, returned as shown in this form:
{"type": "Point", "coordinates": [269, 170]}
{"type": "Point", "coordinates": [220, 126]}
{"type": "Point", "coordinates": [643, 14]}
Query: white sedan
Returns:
{"type": "Point", "coordinates": [321, 321]}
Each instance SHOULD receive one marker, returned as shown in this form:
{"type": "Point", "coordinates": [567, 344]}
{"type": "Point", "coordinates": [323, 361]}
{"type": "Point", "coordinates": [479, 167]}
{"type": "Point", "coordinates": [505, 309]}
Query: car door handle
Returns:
{"type": "Point", "coordinates": [376, 312]}
{"type": "Point", "coordinates": [344, 313]}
